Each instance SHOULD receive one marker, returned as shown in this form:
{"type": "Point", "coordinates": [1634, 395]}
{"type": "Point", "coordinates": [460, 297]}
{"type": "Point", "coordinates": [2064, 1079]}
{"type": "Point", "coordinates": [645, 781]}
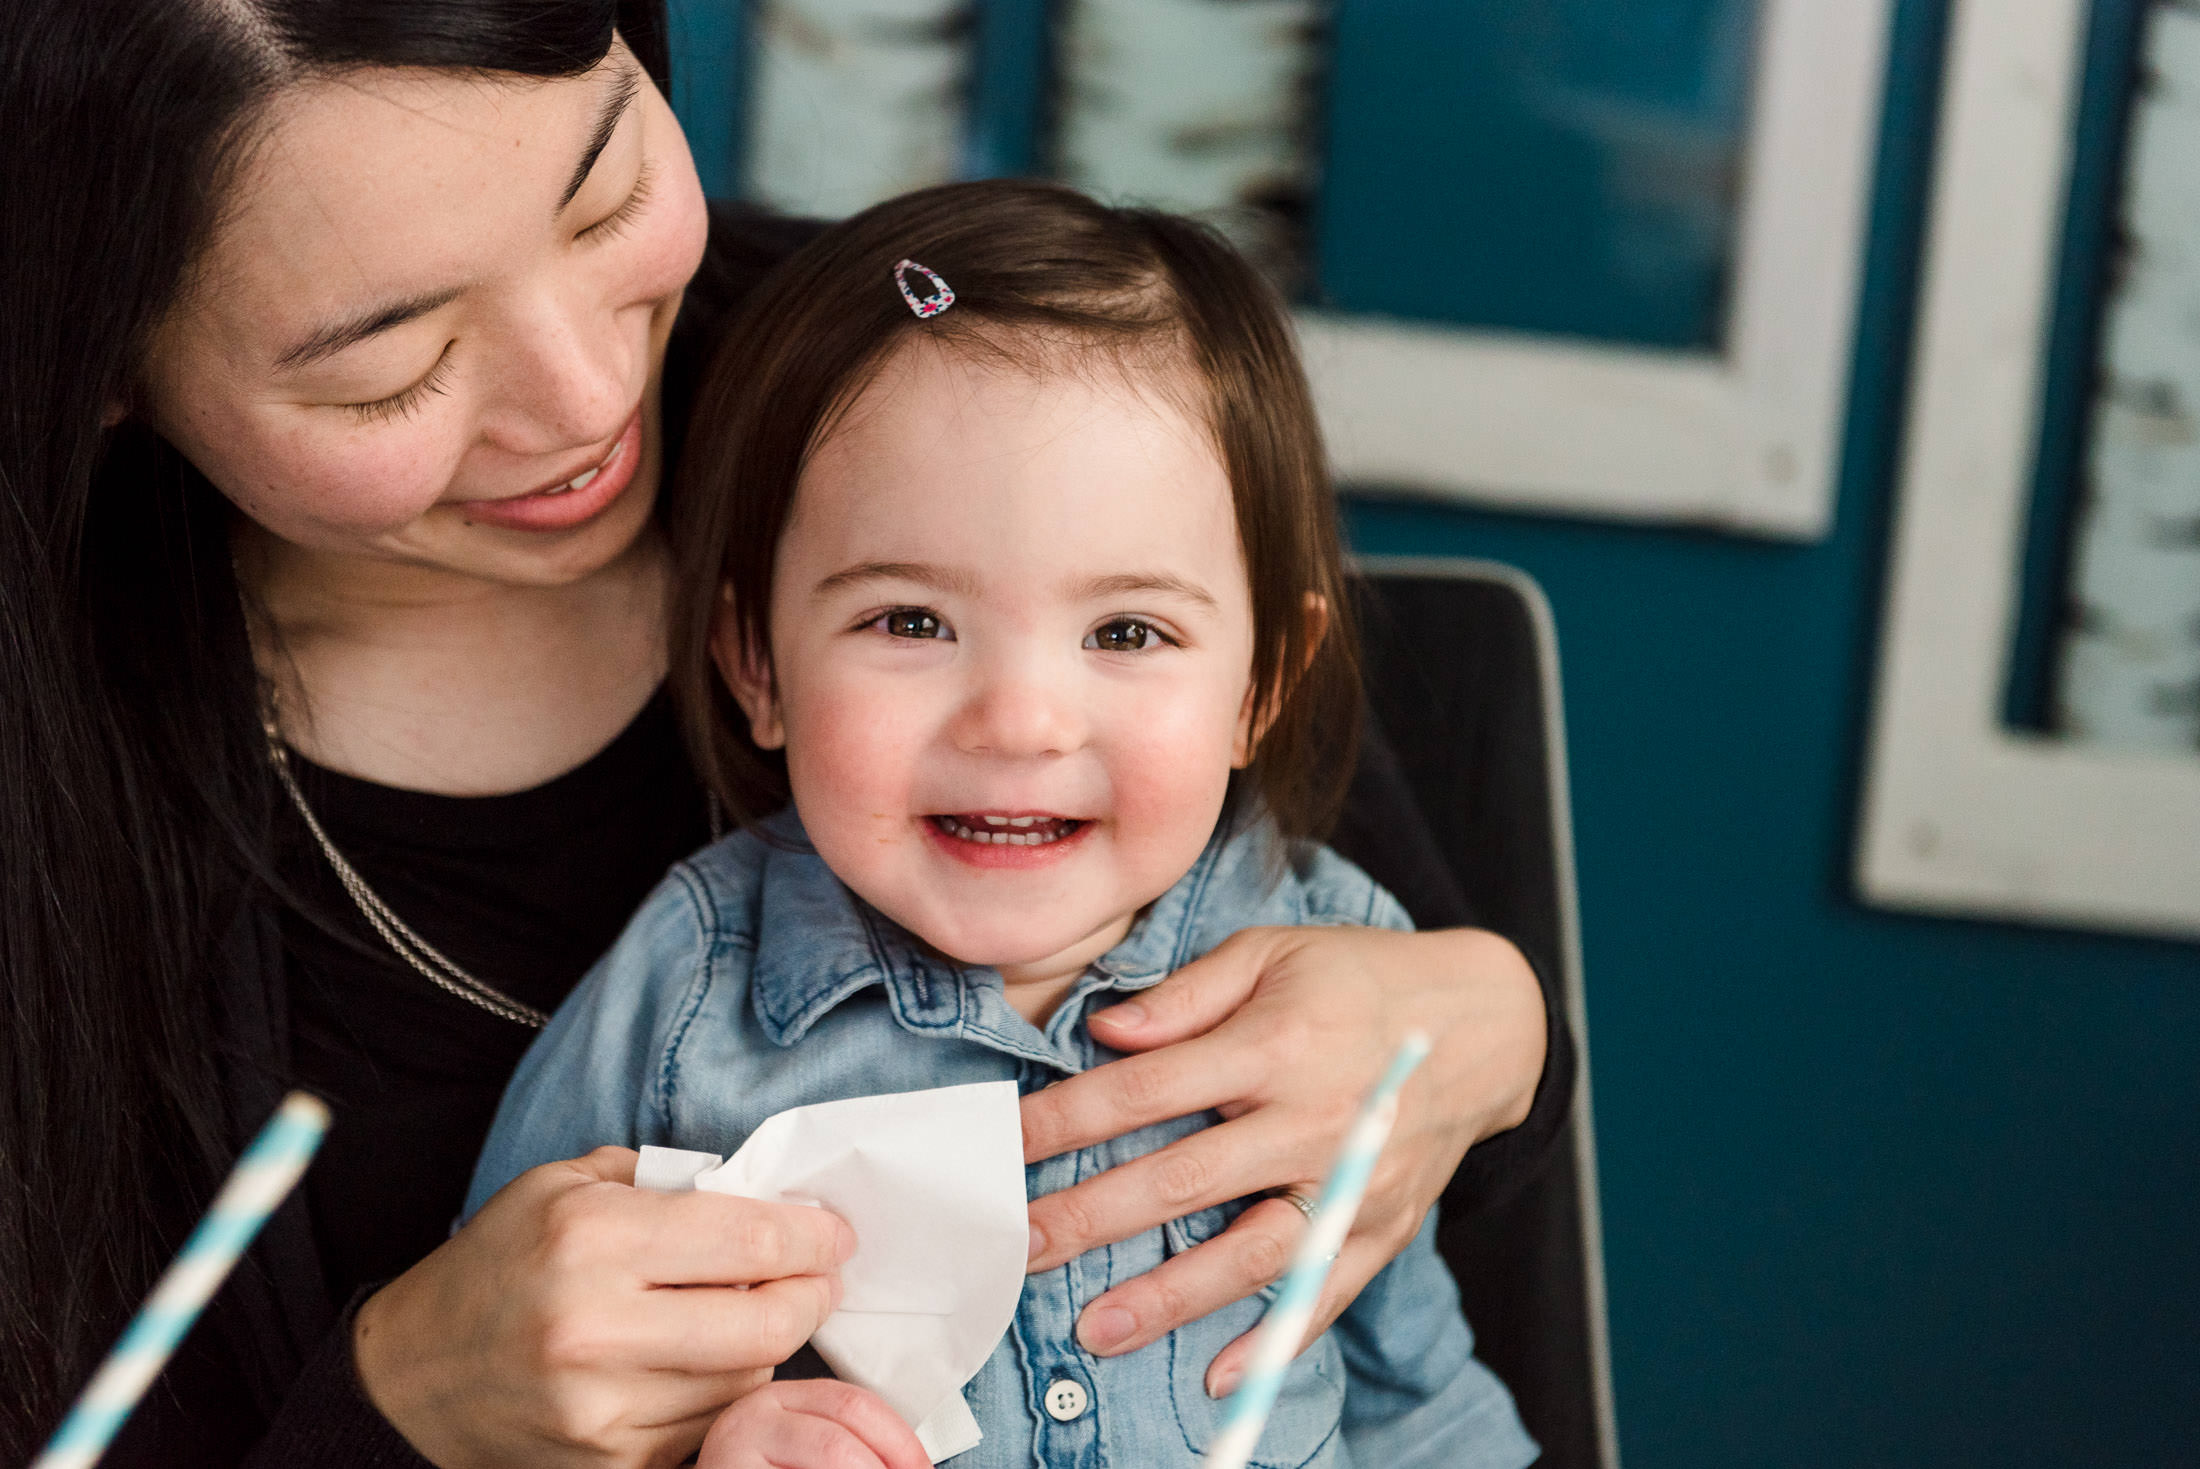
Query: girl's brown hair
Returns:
{"type": "Point", "coordinates": [1041, 275]}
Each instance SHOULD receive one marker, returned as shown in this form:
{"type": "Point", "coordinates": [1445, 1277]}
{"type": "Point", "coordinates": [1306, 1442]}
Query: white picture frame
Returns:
{"type": "Point", "coordinates": [1962, 815]}
{"type": "Point", "coordinates": [1745, 439]}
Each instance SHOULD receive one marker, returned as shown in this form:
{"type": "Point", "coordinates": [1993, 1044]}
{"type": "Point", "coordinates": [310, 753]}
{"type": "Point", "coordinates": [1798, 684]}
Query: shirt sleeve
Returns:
{"type": "Point", "coordinates": [593, 1078]}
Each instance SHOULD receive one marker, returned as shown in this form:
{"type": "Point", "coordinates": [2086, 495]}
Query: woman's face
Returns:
{"type": "Point", "coordinates": [429, 327]}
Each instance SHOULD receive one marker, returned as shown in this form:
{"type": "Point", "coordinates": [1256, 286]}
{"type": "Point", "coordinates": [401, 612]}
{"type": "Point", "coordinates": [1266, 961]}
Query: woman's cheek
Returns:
{"type": "Point", "coordinates": [368, 481]}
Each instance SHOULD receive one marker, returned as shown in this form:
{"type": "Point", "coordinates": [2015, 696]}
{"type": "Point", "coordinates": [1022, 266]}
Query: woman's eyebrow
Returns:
{"type": "Point", "coordinates": [335, 337]}
{"type": "Point", "coordinates": [626, 84]}
{"type": "Point", "coordinates": [327, 341]}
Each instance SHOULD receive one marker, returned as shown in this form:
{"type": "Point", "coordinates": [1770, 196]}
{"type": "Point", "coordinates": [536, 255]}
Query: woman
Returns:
{"type": "Point", "coordinates": [341, 354]}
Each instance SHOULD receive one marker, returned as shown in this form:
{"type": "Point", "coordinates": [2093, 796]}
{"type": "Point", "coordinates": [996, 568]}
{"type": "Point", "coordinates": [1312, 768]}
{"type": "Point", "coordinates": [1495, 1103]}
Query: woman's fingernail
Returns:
{"type": "Point", "coordinates": [847, 1243]}
{"type": "Point", "coordinates": [1130, 1013]}
{"type": "Point", "coordinates": [1225, 1382]}
{"type": "Point", "coordinates": [1038, 1243]}
{"type": "Point", "coordinates": [1105, 1327]}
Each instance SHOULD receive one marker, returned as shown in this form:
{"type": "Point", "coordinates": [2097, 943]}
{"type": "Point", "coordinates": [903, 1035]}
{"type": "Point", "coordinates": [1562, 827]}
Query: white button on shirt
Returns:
{"type": "Point", "coordinates": [1065, 1400]}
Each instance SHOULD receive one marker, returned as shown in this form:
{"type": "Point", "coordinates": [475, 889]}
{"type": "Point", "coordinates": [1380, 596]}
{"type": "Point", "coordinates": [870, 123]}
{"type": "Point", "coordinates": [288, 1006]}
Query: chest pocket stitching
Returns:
{"type": "Point", "coordinates": [1305, 1363]}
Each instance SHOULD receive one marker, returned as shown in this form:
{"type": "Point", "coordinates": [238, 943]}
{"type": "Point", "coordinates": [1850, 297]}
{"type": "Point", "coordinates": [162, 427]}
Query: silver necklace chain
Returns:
{"type": "Point", "coordinates": [431, 962]}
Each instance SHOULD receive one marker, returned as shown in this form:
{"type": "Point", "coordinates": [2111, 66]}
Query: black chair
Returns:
{"type": "Point", "coordinates": [1462, 677]}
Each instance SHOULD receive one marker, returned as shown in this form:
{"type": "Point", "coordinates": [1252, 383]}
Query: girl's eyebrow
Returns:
{"type": "Point", "coordinates": [938, 578]}
{"type": "Point", "coordinates": [1145, 581]}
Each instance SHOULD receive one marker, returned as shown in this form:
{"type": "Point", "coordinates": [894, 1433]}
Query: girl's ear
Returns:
{"type": "Point", "coordinates": [1316, 612]}
{"type": "Point", "coordinates": [747, 671]}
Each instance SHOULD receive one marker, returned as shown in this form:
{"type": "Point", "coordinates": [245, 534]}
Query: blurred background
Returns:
{"type": "Point", "coordinates": [1878, 1188]}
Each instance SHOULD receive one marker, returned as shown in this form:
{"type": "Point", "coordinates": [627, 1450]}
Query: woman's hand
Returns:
{"type": "Point", "coordinates": [815, 1423]}
{"type": "Point", "coordinates": [546, 1332]}
{"type": "Point", "coordinates": [1284, 1031]}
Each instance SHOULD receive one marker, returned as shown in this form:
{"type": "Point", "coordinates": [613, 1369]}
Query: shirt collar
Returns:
{"type": "Point", "coordinates": [818, 943]}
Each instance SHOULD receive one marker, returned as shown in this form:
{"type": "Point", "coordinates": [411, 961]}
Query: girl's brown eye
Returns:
{"type": "Point", "coordinates": [912, 622]}
{"type": "Point", "coordinates": [1124, 635]}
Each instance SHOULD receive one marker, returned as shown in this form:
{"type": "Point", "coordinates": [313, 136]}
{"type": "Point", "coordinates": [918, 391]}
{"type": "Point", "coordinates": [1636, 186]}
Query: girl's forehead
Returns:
{"type": "Point", "coordinates": [954, 454]}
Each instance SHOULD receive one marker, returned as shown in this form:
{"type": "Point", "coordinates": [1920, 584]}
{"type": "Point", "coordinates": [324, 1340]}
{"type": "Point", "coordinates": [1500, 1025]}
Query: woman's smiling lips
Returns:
{"type": "Point", "coordinates": [572, 502]}
{"type": "Point", "coordinates": [1006, 838]}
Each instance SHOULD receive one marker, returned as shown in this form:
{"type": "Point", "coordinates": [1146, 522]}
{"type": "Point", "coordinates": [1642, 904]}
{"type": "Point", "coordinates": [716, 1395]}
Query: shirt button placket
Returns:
{"type": "Point", "coordinates": [1060, 1384]}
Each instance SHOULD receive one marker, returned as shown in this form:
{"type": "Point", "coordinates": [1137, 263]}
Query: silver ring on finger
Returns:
{"type": "Point", "coordinates": [1297, 1201]}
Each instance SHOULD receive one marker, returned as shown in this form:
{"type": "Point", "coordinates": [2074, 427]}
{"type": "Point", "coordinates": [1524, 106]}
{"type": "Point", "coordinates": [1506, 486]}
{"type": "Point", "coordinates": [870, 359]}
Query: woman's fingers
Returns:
{"type": "Point", "coordinates": [715, 1239]}
{"type": "Point", "coordinates": [1210, 1167]}
{"type": "Point", "coordinates": [593, 1224]}
{"type": "Point", "coordinates": [1355, 1266]}
{"type": "Point", "coordinates": [1194, 999]}
{"type": "Point", "coordinates": [1246, 1257]}
{"type": "Point", "coordinates": [1136, 1091]}
{"type": "Point", "coordinates": [709, 1331]}
{"type": "Point", "coordinates": [581, 1322]}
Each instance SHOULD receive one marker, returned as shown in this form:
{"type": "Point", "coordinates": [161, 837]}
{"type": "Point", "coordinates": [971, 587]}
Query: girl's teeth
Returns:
{"type": "Point", "coordinates": [580, 481]}
{"type": "Point", "coordinates": [997, 830]}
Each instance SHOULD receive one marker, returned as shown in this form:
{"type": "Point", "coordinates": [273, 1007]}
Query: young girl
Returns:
{"type": "Point", "coordinates": [1019, 569]}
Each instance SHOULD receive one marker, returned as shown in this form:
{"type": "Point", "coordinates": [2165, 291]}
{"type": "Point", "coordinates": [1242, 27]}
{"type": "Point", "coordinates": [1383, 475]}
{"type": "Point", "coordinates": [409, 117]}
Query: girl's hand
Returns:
{"type": "Point", "coordinates": [1284, 1031]}
{"type": "Point", "coordinates": [545, 1331]}
{"type": "Point", "coordinates": [815, 1423]}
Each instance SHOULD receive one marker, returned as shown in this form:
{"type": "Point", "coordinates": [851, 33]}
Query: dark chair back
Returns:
{"type": "Point", "coordinates": [1462, 677]}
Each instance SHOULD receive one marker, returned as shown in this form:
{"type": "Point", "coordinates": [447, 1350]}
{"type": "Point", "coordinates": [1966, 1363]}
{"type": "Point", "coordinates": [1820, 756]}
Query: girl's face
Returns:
{"type": "Point", "coordinates": [429, 327]}
{"type": "Point", "coordinates": [1010, 657]}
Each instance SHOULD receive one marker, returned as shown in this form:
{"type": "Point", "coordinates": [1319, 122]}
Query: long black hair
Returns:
{"type": "Point", "coordinates": [135, 802]}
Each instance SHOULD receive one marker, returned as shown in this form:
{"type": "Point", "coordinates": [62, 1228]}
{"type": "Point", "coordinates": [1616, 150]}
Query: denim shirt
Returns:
{"type": "Point", "coordinates": [752, 981]}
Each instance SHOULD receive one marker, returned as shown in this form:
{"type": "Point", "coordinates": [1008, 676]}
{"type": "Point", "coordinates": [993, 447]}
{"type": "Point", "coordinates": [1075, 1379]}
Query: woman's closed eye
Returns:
{"type": "Point", "coordinates": [402, 404]}
{"type": "Point", "coordinates": [614, 224]}
{"type": "Point", "coordinates": [911, 622]}
{"type": "Point", "coordinates": [1128, 635]}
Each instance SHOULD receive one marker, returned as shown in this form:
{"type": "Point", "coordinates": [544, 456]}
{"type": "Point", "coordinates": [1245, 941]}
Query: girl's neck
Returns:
{"type": "Point", "coordinates": [1037, 989]}
{"type": "Point", "coordinates": [434, 681]}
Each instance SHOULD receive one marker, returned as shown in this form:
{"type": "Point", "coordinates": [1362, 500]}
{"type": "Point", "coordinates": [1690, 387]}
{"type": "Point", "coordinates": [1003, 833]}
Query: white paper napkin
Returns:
{"type": "Point", "coordinates": [933, 1184]}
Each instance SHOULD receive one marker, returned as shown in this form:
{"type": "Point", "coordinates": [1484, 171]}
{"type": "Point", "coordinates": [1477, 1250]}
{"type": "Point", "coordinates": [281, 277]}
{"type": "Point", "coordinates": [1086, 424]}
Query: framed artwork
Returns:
{"type": "Point", "coordinates": [2094, 820]}
{"type": "Point", "coordinates": [1740, 432]}
{"type": "Point", "coordinates": [1556, 255]}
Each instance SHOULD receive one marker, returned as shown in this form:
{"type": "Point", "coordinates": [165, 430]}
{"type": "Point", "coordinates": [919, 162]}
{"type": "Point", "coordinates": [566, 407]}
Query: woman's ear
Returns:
{"type": "Point", "coordinates": [747, 671]}
{"type": "Point", "coordinates": [1316, 612]}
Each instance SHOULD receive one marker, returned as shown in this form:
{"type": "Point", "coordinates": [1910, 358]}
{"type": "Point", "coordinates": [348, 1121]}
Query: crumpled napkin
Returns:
{"type": "Point", "coordinates": [933, 1184]}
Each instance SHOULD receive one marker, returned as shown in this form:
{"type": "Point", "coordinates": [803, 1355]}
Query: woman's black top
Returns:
{"type": "Point", "coordinates": [524, 891]}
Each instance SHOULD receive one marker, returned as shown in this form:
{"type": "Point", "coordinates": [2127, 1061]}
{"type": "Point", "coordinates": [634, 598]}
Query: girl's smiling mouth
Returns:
{"type": "Point", "coordinates": [1005, 839]}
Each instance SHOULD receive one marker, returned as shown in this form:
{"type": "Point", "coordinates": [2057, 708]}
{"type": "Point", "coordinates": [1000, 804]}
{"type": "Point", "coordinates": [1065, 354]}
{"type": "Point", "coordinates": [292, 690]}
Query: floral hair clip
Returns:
{"type": "Point", "coordinates": [942, 297]}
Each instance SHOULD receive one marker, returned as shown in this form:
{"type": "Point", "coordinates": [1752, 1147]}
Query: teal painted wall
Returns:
{"type": "Point", "coordinates": [1878, 1189]}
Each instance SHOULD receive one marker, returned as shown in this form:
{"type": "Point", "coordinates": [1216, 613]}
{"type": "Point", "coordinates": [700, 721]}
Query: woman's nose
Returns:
{"type": "Point", "coordinates": [568, 377]}
{"type": "Point", "coordinates": [1020, 708]}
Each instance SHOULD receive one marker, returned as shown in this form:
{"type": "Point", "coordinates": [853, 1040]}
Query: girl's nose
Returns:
{"type": "Point", "coordinates": [1021, 709]}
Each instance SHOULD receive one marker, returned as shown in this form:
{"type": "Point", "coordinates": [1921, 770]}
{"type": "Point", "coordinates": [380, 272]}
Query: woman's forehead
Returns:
{"type": "Point", "coordinates": [387, 185]}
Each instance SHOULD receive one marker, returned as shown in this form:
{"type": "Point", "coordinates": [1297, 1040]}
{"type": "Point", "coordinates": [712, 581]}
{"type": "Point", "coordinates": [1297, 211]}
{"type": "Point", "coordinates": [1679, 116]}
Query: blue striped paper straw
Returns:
{"type": "Point", "coordinates": [262, 1178]}
{"type": "Point", "coordinates": [1282, 1329]}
